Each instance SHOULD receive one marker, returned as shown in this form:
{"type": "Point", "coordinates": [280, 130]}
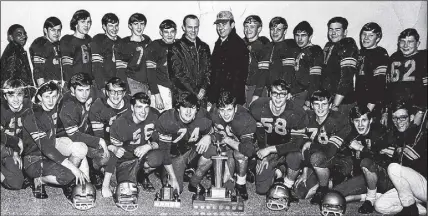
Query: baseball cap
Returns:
{"type": "Point", "coordinates": [223, 16]}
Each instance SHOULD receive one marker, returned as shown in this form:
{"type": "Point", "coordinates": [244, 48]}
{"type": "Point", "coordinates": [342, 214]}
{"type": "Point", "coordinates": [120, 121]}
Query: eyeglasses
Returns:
{"type": "Point", "coordinates": [119, 92]}
{"type": "Point", "coordinates": [401, 118]}
{"type": "Point", "coordinates": [277, 94]}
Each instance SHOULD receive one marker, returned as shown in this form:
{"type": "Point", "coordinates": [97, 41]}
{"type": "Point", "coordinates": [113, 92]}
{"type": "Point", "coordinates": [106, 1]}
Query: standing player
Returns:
{"type": "Point", "coordinates": [45, 53]}
{"type": "Point", "coordinates": [236, 127]}
{"type": "Point", "coordinates": [133, 138]}
{"type": "Point", "coordinates": [104, 50]}
{"type": "Point", "coordinates": [187, 134]}
{"type": "Point", "coordinates": [340, 64]}
{"type": "Point", "coordinates": [276, 117]}
{"type": "Point", "coordinates": [308, 65]}
{"type": "Point", "coordinates": [130, 59]}
{"type": "Point", "coordinates": [407, 73]}
{"type": "Point", "coordinates": [157, 66]}
{"type": "Point", "coordinates": [102, 114]}
{"type": "Point", "coordinates": [75, 48]}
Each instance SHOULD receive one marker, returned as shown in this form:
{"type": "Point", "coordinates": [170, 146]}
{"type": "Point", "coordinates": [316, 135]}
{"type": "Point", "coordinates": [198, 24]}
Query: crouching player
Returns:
{"type": "Point", "coordinates": [133, 143]}
{"type": "Point", "coordinates": [11, 162]}
{"type": "Point", "coordinates": [235, 127]}
{"type": "Point", "coordinates": [276, 117]}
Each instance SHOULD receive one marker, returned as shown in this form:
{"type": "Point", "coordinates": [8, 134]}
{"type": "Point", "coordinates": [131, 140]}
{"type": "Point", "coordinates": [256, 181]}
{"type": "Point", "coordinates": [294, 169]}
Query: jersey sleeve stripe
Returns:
{"type": "Point", "coordinates": [151, 64]}
{"type": "Point", "coordinates": [67, 60]}
{"type": "Point", "coordinates": [315, 70]}
{"type": "Point", "coordinates": [381, 70]}
{"type": "Point", "coordinates": [97, 58]}
{"type": "Point", "coordinates": [288, 62]}
{"type": "Point", "coordinates": [115, 142]}
{"type": "Point", "coordinates": [263, 65]}
{"type": "Point", "coordinates": [411, 153]}
{"type": "Point", "coordinates": [121, 64]}
{"type": "Point", "coordinates": [38, 135]}
{"type": "Point", "coordinates": [97, 125]}
{"type": "Point", "coordinates": [424, 80]}
{"type": "Point", "coordinates": [251, 135]}
{"type": "Point", "coordinates": [259, 124]}
{"type": "Point", "coordinates": [71, 130]}
{"type": "Point", "coordinates": [348, 62]}
{"type": "Point", "coordinates": [337, 141]}
{"type": "Point", "coordinates": [165, 138]}
{"type": "Point", "coordinates": [39, 60]}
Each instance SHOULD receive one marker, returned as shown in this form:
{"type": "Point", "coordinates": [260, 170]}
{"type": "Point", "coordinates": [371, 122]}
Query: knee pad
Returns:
{"type": "Point", "coordinates": [393, 169]}
{"type": "Point", "coordinates": [318, 159]}
{"type": "Point", "coordinates": [294, 159]}
{"type": "Point", "coordinates": [79, 150]}
{"type": "Point", "coordinates": [368, 164]}
{"type": "Point", "coordinates": [126, 196]}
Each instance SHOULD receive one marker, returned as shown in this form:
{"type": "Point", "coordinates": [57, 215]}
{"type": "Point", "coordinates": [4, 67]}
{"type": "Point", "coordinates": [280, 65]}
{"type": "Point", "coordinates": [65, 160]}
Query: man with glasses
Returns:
{"type": "Point", "coordinates": [276, 116]}
{"type": "Point", "coordinates": [408, 172]}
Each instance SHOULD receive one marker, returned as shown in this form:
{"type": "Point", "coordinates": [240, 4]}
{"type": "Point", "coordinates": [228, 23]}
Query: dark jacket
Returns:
{"type": "Point", "coordinates": [190, 65]}
{"type": "Point", "coordinates": [14, 63]}
{"type": "Point", "coordinates": [229, 63]}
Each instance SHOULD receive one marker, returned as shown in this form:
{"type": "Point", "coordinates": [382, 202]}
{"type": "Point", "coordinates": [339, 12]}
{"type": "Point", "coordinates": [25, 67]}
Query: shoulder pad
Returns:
{"type": "Point", "coordinates": [67, 38]}
{"type": "Point", "coordinates": [99, 37]}
{"type": "Point", "coordinates": [154, 111]}
{"type": "Point", "coordinates": [291, 43]}
{"type": "Point", "coordinates": [39, 42]}
{"type": "Point", "coordinates": [264, 40]}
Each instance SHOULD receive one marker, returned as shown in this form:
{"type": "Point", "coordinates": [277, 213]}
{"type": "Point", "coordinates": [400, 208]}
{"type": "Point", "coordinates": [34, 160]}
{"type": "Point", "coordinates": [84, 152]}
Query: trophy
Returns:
{"type": "Point", "coordinates": [167, 197]}
{"type": "Point", "coordinates": [217, 197]}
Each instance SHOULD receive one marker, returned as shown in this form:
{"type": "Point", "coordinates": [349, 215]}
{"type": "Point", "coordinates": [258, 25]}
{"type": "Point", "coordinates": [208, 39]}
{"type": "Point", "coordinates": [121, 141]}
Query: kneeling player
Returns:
{"type": "Point", "coordinates": [187, 133]}
{"type": "Point", "coordinates": [132, 136]}
{"type": "Point", "coordinates": [276, 117]}
{"type": "Point", "coordinates": [11, 162]}
{"type": "Point", "coordinates": [236, 127]}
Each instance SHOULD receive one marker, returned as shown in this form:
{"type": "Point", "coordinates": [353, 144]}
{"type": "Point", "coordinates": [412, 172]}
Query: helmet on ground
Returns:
{"type": "Point", "coordinates": [333, 203]}
{"type": "Point", "coordinates": [84, 196]}
{"type": "Point", "coordinates": [126, 196]}
{"type": "Point", "coordinates": [277, 198]}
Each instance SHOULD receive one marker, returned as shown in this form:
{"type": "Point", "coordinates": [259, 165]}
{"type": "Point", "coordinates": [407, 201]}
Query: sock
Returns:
{"type": "Point", "coordinates": [371, 195]}
{"type": "Point", "coordinates": [241, 180]}
{"type": "Point", "coordinates": [288, 182]}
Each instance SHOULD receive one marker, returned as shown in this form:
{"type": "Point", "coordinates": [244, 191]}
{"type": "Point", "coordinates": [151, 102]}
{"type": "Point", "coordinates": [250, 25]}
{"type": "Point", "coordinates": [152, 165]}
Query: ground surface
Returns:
{"type": "Point", "coordinates": [23, 203]}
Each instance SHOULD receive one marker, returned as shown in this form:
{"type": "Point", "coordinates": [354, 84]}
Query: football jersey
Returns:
{"type": "Point", "coordinates": [76, 55]}
{"type": "Point", "coordinates": [104, 52]}
{"type": "Point", "coordinates": [407, 77]}
{"type": "Point", "coordinates": [8, 144]}
{"type": "Point", "coordinates": [102, 116]}
{"type": "Point", "coordinates": [46, 59]}
{"type": "Point", "coordinates": [241, 128]}
{"type": "Point", "coordinates": [308, 69]}
{"type": "Point", "coordinates": [39, 134]}
{"type": "Point", "coordinates": [340, 66]}
{"type": "Point", "coordinates": [12, 122]}
{"type": "Point", "coordinates": [259, 59]}
{"type": "Point", "coordinates": [73, 121]}
{"type": "Point", "coordinates": [180, 136]}
{"type": "Point", "coordinates": [370, 79]}
{"type": "Point", "coordinates": [329, 135]}
{"type": "Point", "coordinates": [127, 134]}
{"type": "Point", "coordinates": [130, 60]}
{"type": "Point", "coordinates": [156, 55]}
{"type": "Point", "coordinates": [277, 129]}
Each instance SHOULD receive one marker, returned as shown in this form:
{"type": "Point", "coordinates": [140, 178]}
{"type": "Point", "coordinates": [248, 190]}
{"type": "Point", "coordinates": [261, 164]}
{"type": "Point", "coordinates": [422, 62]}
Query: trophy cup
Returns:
{"type": "Point", "coordinates": [167, 197]}
{"type": "Point", "coordinates": [217, 197]}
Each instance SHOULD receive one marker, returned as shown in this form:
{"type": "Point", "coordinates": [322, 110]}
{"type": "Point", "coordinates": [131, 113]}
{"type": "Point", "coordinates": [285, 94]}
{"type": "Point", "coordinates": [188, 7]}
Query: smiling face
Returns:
{"type": "Point", "coordinates": [302, 39]}
{"type": "Point", "coordinates": [277, 33]}
{"type": "Point", "coordinates": [84, 25]}
{"type": "Point", "coordinates": [81, 93]}
{"type": "Point", "coordinates": [19, 36]}
{"type": "Point", "coordinates": [115, 94]}
{"type": "Point", "coordinates": [401, 120]}
{"type": "Point", "coordinates": [187, 114]}
{"type": "Point", "coordinates": [362, 124]}
{"type": "Point", "coordinates": [252, 30]}
{"type": "Point", "coordinates": [111, 29]}
{"type": "Point", "coordinates": [15, 99]}
{"type": "Point", "coordinates": [53, 34]}
{"type": "Point", "coordinates": [336, 32]}
{"type": "Point", "coordinates": [227, 112]}
{"type": "Point", "coordinates": [168, 35]}
{"type": "Point", "coordinates": [137, 28]}
{"type": "Point", "coordinates": [191, 29]}
{"type": "Point", "coordinates": [224, 29]}
{"type": "Point", "coordinates": [48, 99]}
{"type": "Point", "coordinates": [321, 108]}
{"type": "Point", "coordinates": [408, 45]}
{"type": "Point", "coordinates": [140, 110]}
{"type": "Point", "coordinates": [369, 39]}
{"type": "Point", "coordinates": [278, 96]}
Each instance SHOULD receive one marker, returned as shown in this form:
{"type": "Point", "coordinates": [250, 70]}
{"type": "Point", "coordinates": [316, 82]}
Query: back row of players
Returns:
{"type": "Point", "coordinates": [276, 145]}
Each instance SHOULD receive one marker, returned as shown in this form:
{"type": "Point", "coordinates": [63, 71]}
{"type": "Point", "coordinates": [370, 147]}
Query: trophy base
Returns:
{"type": "Point", "coordinates": [219, 204]}
{"type": "Point", "coordinates": [167, 204]}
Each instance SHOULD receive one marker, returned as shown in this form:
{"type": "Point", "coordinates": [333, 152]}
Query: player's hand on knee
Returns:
{"type": "Point", "coordinates": [203, 144]}
{"type": "Point", "coordinates": [142, 150]}
{"type": "Point", "coordinates": [118, 151]}
{"type": "Point", "coordinates": [262, 153]}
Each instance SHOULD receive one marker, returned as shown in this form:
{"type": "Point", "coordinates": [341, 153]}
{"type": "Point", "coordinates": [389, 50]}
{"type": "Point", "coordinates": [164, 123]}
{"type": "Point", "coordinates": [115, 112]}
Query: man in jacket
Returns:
{"type": "Point", "coordinates": [190, 61]}
{"type": "Point", "coordinates": [229, 60]}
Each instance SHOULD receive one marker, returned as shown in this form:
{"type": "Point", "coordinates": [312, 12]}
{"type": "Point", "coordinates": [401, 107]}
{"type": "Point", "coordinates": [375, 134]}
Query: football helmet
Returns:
{"type": "Point", "coordinates": [84, 196]}
{"type": "Point", "coordinates": [126, 196]}
{"type": "Point", "coordinates": [277, 198]}
{"type": "Point", "coordinates": [333, 203]}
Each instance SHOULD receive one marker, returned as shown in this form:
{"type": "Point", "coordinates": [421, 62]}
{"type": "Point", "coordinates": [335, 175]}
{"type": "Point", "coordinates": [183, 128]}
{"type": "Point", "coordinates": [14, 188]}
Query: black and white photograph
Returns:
{"type": "Point", "coordinates": [213, 108]}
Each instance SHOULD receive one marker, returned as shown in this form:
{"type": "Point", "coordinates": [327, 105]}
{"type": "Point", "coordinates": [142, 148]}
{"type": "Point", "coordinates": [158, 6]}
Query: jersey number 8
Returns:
{"type": "Point", "coordinates": [279, 126]}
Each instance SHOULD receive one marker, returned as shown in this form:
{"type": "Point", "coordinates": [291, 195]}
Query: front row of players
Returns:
{"type": "Point", "coordinates": [297, 152]}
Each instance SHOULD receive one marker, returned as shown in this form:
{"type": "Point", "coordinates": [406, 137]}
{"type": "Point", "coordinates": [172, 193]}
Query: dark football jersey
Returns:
{"type": "Point", "coordinates": [370, 79]}
{"type": "Point", "coordinates": [180, 136]}
{"type": "Point", "coordinates": [46, 59]}
{"type": "Point", "coordinates": [130, 59]}
{"type": "Point", "coordinates": [157, 65]}
{"type": "Point", "coordinates": [277, 128]}
{"type": "Point", "coordinates": [12, 122]}
{"type": "Point", "coordinates": [102, 116]}
{"type": "Point", "coordinates": [308, 69]}
{"type": "Point", "coordinates": [407, 77]}
{"type": "Point", "coordinates": [259, 59]}
{"type": "Point", "coordinates": [7, 144]}
{"type": "Point", "coordinates": [104, 52]}
{"type": "Point", "coordinates": [340, 66]}
{"type": "Point", "coordinates": [129, 135]}
{"type": "Point", "coordinates": [76, 55]}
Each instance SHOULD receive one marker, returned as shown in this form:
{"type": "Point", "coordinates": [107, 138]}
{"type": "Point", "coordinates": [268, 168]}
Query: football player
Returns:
{"type": "Point", "coordinates": [186, 131]}
{"type": "Point", "coordinates": [407, 73]}
{"type": "Point", "coordinates": [408, 172]}
{"type": "Point", "coordinates": [104, 50]}
{"type": "Point", "coordinates": [372, 64]}
{"type": "Point", "coordinates": [157, 66]}
{"type": "Point", "coordinates": [236, 127]}
{"type": "Point", "coordinates": [282, 56]}
{"type": "Point", "coordinates": [308, 65]}
{"type": "Point", "coordinates": [75, 48]}
{"type": "Point", "coordinates": [340, 64]}
{"type": "Point", "coordinates": [326, 129]}
{"type": "Point", "coordinates": [102, 114]}
{"type": "Point", "coordinates": [365, 142]}
{"type": "Point", "coordinates": [42, 159]}
{"type": "Point", "coordinates": [11, 162]}
{"type": "Point", "coordinates": [275, 117]}
{"type": "Point", "coordinates": [73, 115]}
{"type": "Point", "coordinates": [259, 48]}
{"type": "Point", "coordinates": [133, 142]}
{"type": "Point", "coordinates": [45, 53]}
{"type": "Point", "coordinates": [130, 60]}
